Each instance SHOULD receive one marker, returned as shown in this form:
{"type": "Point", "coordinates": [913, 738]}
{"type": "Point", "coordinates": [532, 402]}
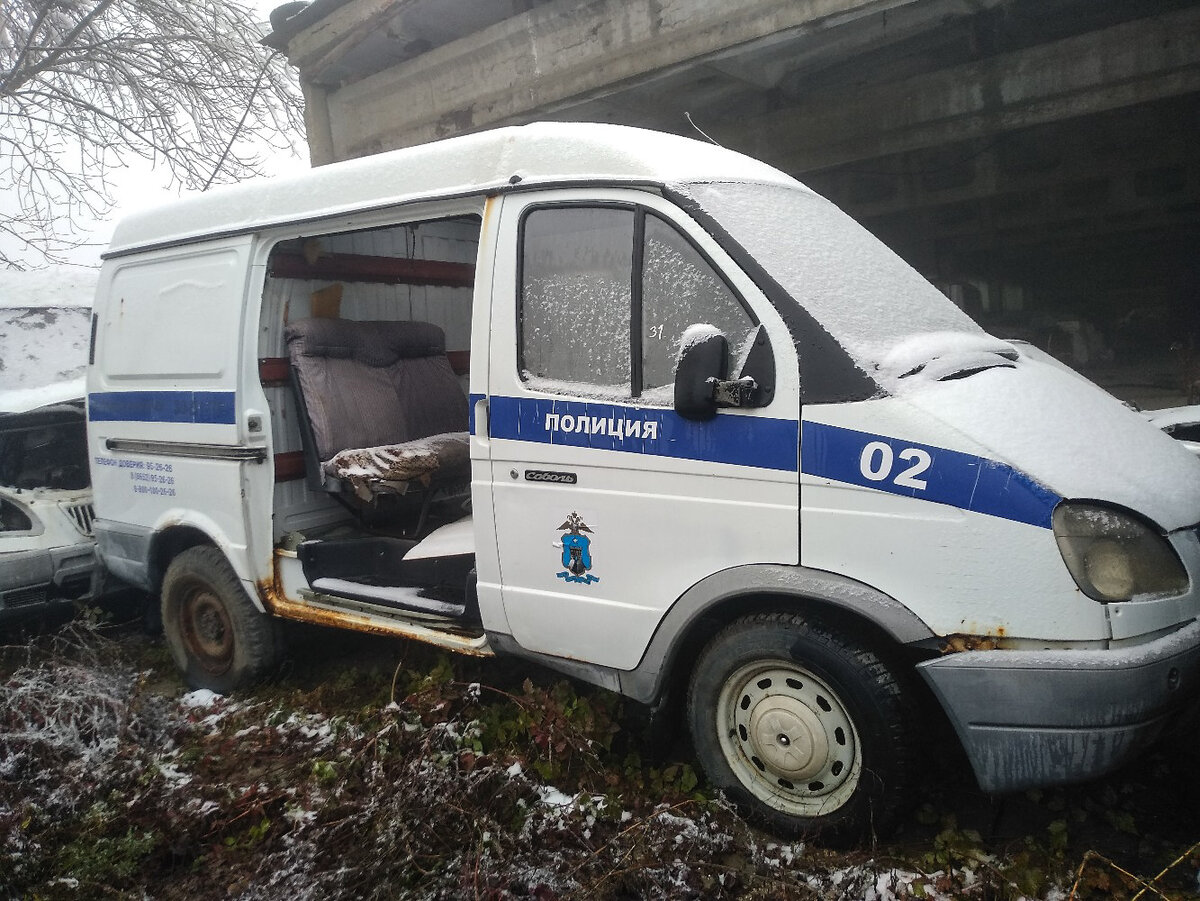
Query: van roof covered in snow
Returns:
{"type": "Point", "coordinates": [540, 153]}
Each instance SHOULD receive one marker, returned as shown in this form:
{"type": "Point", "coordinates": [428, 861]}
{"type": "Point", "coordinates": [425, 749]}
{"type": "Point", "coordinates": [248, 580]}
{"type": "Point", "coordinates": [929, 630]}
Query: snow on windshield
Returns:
{"type": "Point", "coordinates": [864, 295]}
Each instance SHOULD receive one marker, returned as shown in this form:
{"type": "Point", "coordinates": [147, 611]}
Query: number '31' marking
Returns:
{"type": "Point", "coordinates": [877, 461]}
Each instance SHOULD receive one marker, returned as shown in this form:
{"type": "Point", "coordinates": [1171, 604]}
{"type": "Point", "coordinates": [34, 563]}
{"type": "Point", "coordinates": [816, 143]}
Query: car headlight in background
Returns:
{"type": "Point", "coordinates": [1114, 556]}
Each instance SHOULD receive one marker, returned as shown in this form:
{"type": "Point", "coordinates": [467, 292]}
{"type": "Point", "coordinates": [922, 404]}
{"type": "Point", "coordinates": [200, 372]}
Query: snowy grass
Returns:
{"type": "Point", "coordinates": [372, 777]}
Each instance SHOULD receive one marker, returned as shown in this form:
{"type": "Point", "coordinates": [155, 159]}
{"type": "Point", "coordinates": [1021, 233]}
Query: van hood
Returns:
{"type": "Point", "coordinates": [1069, 435]}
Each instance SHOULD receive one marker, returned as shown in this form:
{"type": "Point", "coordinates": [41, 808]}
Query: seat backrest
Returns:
{"type": "Point", "coordinates": [367, 384]}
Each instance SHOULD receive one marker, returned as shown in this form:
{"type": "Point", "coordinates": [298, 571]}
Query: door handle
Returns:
{"type": "Point", "coordinates": [479, 422]}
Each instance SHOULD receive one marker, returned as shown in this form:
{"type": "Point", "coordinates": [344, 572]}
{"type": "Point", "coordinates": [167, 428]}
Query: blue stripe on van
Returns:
{"type": "Point", "coordinates": [756, 441]}
{"type": "Point", "coordinates": [211, 407]}
{"type": "Point", "coordinates": [954, 478]}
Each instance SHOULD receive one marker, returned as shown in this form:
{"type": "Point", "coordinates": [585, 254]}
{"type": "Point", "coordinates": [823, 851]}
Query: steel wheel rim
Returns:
{"type": "Point", "coordinates": [207, 630]}
{"type": "Point", "coordinates": [788, 738]}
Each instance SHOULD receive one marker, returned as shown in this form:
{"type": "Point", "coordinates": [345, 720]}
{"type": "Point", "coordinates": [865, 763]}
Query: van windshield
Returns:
{"type": "Point", "coordinates": [864, 295]}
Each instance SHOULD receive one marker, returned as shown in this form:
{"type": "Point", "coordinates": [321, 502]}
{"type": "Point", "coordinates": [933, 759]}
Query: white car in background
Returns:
{"type": "Point", "coordinates": [47, 551]}
{"type": "Point", "coordinates": [1181, 423]}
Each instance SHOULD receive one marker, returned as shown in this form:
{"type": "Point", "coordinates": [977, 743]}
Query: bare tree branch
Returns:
{"type": "Point", "coordinates": [87, 85]}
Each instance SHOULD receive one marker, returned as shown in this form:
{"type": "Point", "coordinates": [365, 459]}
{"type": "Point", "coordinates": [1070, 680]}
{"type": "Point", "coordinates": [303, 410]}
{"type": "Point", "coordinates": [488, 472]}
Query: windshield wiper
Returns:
{"type": "Point", "coordinates": [963, 365]}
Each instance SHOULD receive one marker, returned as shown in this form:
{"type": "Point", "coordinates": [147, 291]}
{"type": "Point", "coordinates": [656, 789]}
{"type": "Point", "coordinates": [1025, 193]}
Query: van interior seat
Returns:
{"type": "Point", "coordinates": [381, 407]}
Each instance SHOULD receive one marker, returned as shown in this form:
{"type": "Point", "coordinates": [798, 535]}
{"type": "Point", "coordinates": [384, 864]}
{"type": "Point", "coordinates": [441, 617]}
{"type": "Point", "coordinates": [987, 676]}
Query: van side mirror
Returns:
{"type": "Point", "coordinates": [701, 367]}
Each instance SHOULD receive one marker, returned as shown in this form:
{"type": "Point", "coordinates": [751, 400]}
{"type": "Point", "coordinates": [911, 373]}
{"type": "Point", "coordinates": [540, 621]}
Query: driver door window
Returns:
{"type": "Point", "coordinates": [576, 291]}
{"type": "Point", "coordinates": [599, 281]}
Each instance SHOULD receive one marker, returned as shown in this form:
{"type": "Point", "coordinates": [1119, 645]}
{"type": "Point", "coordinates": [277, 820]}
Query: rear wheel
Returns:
{"type": "Point", "coordinates": [808, 733]}
{"type": "Point", "coordinates": [217, 637]}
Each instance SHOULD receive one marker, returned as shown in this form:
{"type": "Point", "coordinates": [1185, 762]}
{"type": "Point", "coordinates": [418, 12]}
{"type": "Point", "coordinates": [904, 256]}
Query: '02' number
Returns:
{"type": "Point", "coordinates": [877, 462]}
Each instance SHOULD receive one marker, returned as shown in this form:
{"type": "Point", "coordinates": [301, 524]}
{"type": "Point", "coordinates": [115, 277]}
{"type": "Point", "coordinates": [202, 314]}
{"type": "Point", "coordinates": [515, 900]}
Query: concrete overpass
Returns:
{"type": "Point", "coordinates": [1035, 158]}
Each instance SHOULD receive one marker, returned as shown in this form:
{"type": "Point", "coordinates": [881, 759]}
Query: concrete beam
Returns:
{"type": "Point", "coordinates": [1071, 155]}
{"type": "Point", "coordinates": [785, 60]}
{"type": "Point", "coordinates": [1126, 64]}
{"type": "Point", "coordinates": [563, 51]}
{"type": "Point", "coordinates": [1104, 199]}
{"type": "Point", "coordinates": [1052, 235]}
{"type": "Point", "coordinates": [357, 38]}
{"type": "Point", "coordinates": [315, 49]}
{"type": "Point", "coordinates": [316, 124]}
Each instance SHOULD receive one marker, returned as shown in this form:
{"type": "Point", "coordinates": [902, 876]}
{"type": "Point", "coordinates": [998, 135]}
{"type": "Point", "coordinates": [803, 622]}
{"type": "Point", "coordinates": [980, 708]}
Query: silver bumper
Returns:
{"type": "Point", "coordinates": [1032, 718]}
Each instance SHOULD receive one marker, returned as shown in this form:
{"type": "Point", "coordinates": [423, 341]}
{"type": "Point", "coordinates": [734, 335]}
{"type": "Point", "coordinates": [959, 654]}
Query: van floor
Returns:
{"type": "Point", "coordinates": [433, 576]}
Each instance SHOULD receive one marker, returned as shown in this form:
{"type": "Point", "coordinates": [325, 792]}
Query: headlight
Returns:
{"type": "Point", "coordinates": [1113, 556]}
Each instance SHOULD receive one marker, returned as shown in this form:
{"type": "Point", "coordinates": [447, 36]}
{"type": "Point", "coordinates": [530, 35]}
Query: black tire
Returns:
{"type": "Point", "coordinates": [217, 637]}
{"type": "Point", "coordinates": [806, 732]}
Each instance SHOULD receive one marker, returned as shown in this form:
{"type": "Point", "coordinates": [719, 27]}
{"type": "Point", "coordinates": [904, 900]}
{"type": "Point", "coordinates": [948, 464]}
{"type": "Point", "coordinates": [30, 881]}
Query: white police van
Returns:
{"type": "Point", "coordinates": [655, 414]}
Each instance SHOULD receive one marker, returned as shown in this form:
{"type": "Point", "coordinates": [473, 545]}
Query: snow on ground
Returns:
{"type": "Point", "coordinates": [45, 318]}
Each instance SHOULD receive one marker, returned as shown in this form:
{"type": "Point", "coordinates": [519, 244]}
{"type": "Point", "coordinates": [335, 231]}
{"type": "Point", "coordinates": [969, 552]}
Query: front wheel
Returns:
{"type": "Point", "coordinates": [806, 732]}
{"type": "Point", "coordinates": [217, 637]}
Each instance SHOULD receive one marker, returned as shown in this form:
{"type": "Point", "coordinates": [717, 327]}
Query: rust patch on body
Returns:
{"type": "Point", "coordinates": [957, 643]}
{"type": "Point", "coordinates": [270, 591]}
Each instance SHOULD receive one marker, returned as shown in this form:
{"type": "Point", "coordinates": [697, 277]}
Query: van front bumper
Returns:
{"type": "Point", "coordinates": [1034, 718]}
